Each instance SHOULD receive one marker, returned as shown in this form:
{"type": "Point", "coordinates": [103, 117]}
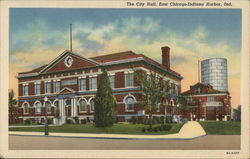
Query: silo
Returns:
{"type": "Point", "coordinates": [214, 72]}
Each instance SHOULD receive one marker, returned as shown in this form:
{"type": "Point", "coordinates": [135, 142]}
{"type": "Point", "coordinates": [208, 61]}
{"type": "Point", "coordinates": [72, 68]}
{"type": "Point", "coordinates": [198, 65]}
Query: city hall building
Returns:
{"type": "Point", "coordinates": [68, 84]}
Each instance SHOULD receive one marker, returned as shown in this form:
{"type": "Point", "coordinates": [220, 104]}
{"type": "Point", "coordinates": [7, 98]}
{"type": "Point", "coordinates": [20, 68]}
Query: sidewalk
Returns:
{"type": "Point", "coordinates": [190, 130]}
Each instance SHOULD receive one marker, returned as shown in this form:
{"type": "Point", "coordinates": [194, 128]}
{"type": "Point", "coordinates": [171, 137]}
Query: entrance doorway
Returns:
{"type": "Point", "coordinates": [68, 107]}
{"type": "Point", "coordinates": [210, 113]}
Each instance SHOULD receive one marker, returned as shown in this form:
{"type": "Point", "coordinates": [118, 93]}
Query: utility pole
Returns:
{"type": "Point", "coordinates": [70, 37]}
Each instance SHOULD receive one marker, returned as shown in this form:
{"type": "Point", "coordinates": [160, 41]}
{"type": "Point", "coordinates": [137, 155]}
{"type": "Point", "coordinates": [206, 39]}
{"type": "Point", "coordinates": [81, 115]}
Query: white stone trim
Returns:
{"type": "Point", "coordinates": [78, 105]}
{"type": "Point", "coordinates": [124, 101]}
{"type": "Point", "coordinates": [38, 101]}
{"type": "Point", "coordinates": [206, 95]}
{"type": "Point", "coordinates": [28, 107]}
{"type": "Point", "coordinates": [91, 98]}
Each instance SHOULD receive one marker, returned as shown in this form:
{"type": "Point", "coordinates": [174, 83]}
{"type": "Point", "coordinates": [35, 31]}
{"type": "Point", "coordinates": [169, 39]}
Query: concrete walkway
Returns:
{"type": "Point", "coordinates": [190, 130]}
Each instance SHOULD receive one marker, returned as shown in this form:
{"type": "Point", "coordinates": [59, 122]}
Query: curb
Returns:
{"type": "Point", "coordinates": [112, 138]}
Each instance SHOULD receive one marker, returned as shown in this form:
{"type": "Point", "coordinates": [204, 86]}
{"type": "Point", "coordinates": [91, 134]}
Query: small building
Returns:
{"type": "Point", "coordinates": [207, 103]}
{"type": "Point", "coordinates": [68, 84]}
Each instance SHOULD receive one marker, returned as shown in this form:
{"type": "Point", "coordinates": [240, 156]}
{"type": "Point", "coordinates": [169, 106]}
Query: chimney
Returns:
{"type": "Point", "coordinates": [165, 56]}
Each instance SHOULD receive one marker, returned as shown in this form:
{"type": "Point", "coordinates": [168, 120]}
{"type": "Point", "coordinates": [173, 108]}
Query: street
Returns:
{"type": "Point", "coordinates": [210, 142]}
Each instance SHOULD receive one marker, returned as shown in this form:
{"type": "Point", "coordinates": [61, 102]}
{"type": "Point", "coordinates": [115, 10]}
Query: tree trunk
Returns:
{"type": "Point", "coordinates": [150, 120]}
{"type": "Point", "coordinates": [165, 115]}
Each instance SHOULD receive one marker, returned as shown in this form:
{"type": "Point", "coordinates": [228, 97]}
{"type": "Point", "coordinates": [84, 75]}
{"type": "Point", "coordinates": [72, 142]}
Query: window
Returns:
{"type": "Point", "coordinates": [220, 109]}
{"type": "Point", "coordinates": [92, 83]}
{"type": "Point", "coordinates": [158, 107]}
{"type": "Point", "coordinates": [210, 98]}
{"type": "Point", "coordinates": [37, 89]}
{"type": "Point", "coordinates": [25, 90]}
{"type": "Point", "coordinates": [37, 107]}
{"type": "Point", "coordinates": [48, 106]}
{"type": "Point", "coordinates": [37, 120]}
{"type": "Point", "coordinates": [129, 80]}
{"type": "Point", "coordinates": [82, 84]}
{"type": "Point", "coordinates": [82, 105]}
{"type": "Point", "coordinates": [176, 90]}
{"type": "Point", "coordinates": [56, 86]}
{"type": "Point", "coordinates": [92, 105]}
{"type": "Point", "coordinates": [129, 101]}
{"type": "Point", "coordinates": [25, 108]}
{"type": "Point", "coordinates": [198, 90]}
{"type": "Point", "coordinates": [189, 99]}
{"type": "Point", "coordinates": [148, 77]}
{"type": "Point", "coordinates": [112, 81]}
{"type": "Point", "coordinates": [47, 87]}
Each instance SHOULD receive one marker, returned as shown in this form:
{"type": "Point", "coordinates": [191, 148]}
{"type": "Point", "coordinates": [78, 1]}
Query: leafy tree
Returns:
{"type": "Point", "coordinates": [183, 103]}
{"type": "Point", "coordinates": [12, 100]}
{"type": "Point", "coordinates": [237, 113]}
{"type": "Point", "coordinates": [154, 91]}
{"type": "Point", "coordinates": [105, 103]}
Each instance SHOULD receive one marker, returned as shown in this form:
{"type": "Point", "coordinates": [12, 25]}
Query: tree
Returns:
{"type": "Point", "coordinates": [105, 103]}
{"type": "Point", "coordinates": [13, 110]}
{"type": "Point", "coordinates": [154, 91]}
{"type": "Point", "coordinates": [12, 100]}
{"type": "Point", "coordinates": [237, 113]}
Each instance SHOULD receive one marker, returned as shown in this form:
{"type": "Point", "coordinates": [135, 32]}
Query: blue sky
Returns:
{"type": "Point", "coordinates": [222, 24]}
{"type": "Point", "coordinates": [37, 36]}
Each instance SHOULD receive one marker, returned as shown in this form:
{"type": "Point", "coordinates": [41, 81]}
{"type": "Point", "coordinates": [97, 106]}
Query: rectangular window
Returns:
{"type": "Point", "coordinates": [25, 90]}
{"type": "Point", "coordinates": [82, 84]}
{"type": "Point", "coordinates": [92, 83]}
{"type": "Point", "coordinates": [129, 80]}
{"type": "Point", "coordinates": [112, 81]}
{"type": "Point", "coordinates": [56, 86]}
{"type": "Point", "coordinates": [47, 87]}
{"type": "Point", "coordinates": [210, 98]}
{"type": "Point", "coordinates": [189, 99]}
{"type": "Point", "coordinates": [37, 89]}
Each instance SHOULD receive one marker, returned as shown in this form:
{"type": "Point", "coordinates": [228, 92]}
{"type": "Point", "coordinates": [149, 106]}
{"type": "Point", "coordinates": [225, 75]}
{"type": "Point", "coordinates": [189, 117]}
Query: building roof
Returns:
{"type": "Point", "coordinates": [205, 89]}
{"type": "Point", "coordinates": [126, 55]}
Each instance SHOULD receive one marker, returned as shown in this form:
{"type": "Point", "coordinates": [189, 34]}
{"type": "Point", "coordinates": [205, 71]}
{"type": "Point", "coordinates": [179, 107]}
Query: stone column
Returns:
{"type": "Point", "coordinates": [75, 107]}
{"type": "Point", "coordinates": [72, 107]}
{"type": "Point", "coordinates": [62, 111]}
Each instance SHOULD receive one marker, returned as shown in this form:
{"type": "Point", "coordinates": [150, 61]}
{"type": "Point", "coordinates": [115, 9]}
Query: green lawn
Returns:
{"type": "Point", "coordinates": [221, 127]}
{"type": "Point", "coordinates": [120, 128]}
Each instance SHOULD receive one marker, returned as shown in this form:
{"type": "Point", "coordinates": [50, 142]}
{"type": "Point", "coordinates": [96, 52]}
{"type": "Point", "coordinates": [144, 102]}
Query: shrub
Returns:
{"type": "Point", "coordinates": [141, 119]}
{"type": "Point", "coordinates": [84, 121]}
{"type": "Point", "coordinates": [68, 121]}
{"type": "Point", "coordinates": [87, 120]}
{"type": "Point", "coordinates": [27, 122]}
{"type": "Point", "coordinates": [155, 129]}
{"type": "Point", "coordinates": [134, 119]}
{"type": "Point", "coordinates": [49, 120]}
{"type": "Point", "coordinates": [166, 127]}
{"type": "Point", "coordinates": [162, 119]}
{"type": "Point", "coordinates": [76, 120]}
{"type": "Point", "coordinates": [169, 119]}
{"type": "Point", "coordinates": [143, 129]}
{"type": "Point", "coordinates": [149, 129]}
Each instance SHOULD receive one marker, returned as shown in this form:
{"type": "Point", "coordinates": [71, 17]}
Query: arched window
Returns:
{"type": "Point", "coordinates": [129, 102]}
{"type": "Point", "coordinates": [48, 106]}
{"type": "Point", "coordinates": [26, 108]}
{"type": "Point", "coordinates": [37, 106]}
{"type": "Point", "coordinates": [92, 104]}
{"type": "Point", "coordinates": [82, 105]}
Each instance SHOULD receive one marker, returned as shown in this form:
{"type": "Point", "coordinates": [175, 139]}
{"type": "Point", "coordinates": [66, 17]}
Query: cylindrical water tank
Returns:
{"type": "Point", "coordinates": [214, 72]}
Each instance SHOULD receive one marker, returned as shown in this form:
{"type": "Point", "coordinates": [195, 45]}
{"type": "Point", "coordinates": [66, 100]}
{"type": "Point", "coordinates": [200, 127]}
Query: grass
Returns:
{"type": "Point", "coordinates": [221, 127]}
{"type": "Point", "coordinates": [120, 128]}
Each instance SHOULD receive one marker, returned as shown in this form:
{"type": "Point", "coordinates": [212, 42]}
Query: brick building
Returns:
{"type": "Point", "coordinates": [206, 103]}
{"type": "Point", "coordinates": [69, 83]}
